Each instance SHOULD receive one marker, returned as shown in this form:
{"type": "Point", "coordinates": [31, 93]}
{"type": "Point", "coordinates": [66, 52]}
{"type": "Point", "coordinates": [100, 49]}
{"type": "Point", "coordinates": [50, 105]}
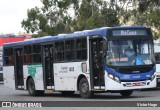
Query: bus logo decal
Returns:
{"type": "Point", "coordinates": [32, 69]}
{"type": "Point", "coordinates": [71, 69]}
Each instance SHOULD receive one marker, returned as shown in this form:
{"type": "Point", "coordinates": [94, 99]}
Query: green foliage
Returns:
{"type": "Point", "coordinates": [54, 16]}
{"type": "Point", "coordinates": [148, 14]}
{"type": "Point", "coordinates": [31, 24]}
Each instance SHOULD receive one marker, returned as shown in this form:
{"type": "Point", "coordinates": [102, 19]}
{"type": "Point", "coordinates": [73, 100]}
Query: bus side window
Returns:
{"type": "Point", "coordinates": [69, 50]}
{"type": "Point", "coordinates": [27, 54]}
{"type": "Point", "coordinates": [10, 60]}
{"type": "Point", "coordinates": [59, 51]}
{"type": "Point", "coordinates": [36, 53]}
{"type": "Point", "coordinates": [8, 56]}
{"type": "Point", "coordinates": [81, 49]}
{"type": "Point", "coordinates": [28, 58]}
{"type": "Point", "coordinates": [157, 57]}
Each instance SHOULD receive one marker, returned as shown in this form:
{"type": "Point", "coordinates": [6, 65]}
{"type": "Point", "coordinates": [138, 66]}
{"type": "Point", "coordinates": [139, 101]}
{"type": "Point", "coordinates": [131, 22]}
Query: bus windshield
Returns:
{"type": "Point", "coordinates": [129, 52]}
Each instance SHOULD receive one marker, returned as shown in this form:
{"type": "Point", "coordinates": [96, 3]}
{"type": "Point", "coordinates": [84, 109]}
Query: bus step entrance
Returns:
{"type": "Point", "coordinates": [99, 88]}
{"type": "Point", "coordinates": [20, 87]}
{"type": "Point", "coordinates": [50, 87]}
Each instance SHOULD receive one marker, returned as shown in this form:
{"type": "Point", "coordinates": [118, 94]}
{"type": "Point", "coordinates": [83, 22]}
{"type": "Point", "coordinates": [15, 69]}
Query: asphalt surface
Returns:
{"type": "Point", "coordinates": [8, 94]}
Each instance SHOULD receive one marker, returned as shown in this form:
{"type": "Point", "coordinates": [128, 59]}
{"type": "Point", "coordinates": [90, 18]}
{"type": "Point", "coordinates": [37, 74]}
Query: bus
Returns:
{"type": "Point", "coordinates": [108, 59]}
{"type": "Point", "coordinates": [157, 57]}
{"type": "Point", "coordinates": [6, 39]}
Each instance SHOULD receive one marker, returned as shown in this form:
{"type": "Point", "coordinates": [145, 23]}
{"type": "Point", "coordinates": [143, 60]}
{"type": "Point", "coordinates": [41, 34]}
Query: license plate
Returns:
{"type": "Point", "coordinates": [136, 84]}
{"type": "Point", "coordinates": [158, 80]}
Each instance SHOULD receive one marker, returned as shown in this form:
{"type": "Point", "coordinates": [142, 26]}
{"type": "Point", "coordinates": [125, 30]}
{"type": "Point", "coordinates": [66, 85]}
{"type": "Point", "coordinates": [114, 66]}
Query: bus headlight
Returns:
{"type": "Point", "coordinates": [110, 76]}
{"type": "Point", "coordinates": [115, 78]}
{"type": "Point", "coordinates": [153, 76]}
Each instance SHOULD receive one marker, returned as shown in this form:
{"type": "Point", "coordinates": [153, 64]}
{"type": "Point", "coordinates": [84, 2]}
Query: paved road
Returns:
{"type": "Point", "coordinates": [7, 94]}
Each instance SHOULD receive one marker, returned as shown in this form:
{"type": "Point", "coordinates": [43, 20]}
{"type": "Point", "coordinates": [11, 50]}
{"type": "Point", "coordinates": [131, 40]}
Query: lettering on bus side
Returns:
{"type": "Point", "coordinates": [66, 69]}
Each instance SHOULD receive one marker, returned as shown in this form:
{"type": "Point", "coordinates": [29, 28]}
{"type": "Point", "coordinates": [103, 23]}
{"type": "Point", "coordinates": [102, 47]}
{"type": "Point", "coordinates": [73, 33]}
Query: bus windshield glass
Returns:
{"type": "Point", "coordinates": [129, 52]}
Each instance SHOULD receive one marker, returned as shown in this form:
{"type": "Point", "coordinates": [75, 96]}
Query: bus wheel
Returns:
{"type": "Point", "coordinates": [67, 93]}
{"type": "Point", "coordinates": [84, 89]}
{"type": "Point", "coordinates": [31, 88]}
{"type": "Point", "coordinates": [126, 92]}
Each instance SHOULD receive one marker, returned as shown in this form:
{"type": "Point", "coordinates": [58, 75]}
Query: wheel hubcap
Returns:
{"type": "Point", "coordinates": [84, 88]}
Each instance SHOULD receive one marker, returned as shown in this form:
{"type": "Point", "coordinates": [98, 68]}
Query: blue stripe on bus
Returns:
{"type": "Point", "coordinates": [131, 76]}
{"type": "Point", "coordinates": [54, 38]}
{"type": "Point", "coordinates": [100, 31]}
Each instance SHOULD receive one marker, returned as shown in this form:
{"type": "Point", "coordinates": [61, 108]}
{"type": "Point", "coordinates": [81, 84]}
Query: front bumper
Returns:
{"type": "Point", "coordinates": [113, 85]}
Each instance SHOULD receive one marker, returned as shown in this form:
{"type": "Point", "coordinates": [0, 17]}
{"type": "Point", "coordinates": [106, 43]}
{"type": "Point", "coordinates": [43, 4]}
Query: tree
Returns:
{"type": "Point", "coordinates": [31, 23]}
{"type": "Point", "coordinates": [50, 19]}
{"type": "Point", "coordinates": [54, 16]}
{"type": "Point", "coordinates": [93, 14]}
{"type": "Point", "coordinates": [139, 12]}
{"type": "Point", "coordinates": [149, 15]}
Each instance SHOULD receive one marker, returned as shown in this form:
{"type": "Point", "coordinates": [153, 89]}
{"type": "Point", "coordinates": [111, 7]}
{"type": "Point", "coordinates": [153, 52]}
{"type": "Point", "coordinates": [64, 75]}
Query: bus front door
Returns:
{"type": "Point", "coordinates": [19, 80]}
{"type": "Point", "coordinates": [48, 66]}
{"type": "Point", "coordinates": [96, 62]}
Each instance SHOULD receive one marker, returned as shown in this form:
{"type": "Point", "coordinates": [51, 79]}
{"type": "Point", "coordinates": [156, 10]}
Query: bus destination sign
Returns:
{"type": "Point", "coordinates": [129, 32]}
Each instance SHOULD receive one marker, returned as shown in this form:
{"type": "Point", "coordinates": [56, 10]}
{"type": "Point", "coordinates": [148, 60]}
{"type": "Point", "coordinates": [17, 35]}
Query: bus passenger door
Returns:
{"type": "Point", "coordinates": [19, 80]}
{"type": "Point", "coordinates": [48, 66]}
{"type": "Point", "coordinates": [96, 63]}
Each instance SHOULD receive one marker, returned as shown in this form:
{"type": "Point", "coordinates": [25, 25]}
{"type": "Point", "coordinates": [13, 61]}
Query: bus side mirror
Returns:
{"type": "Point", "coordinates": [157, 58]}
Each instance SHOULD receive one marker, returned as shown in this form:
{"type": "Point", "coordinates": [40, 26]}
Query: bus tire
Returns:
{"type": "Point", "coordinates": [126, 93]}
{"type": "Point", "coordinates": [31, 89]}
{"type": "Point", "coordinates": [84, 89]}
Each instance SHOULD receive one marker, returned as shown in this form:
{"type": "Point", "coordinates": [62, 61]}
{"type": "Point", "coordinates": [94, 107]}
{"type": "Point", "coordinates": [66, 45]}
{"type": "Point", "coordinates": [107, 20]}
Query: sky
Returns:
{"type": "Point", "coordinates": [12, 12]}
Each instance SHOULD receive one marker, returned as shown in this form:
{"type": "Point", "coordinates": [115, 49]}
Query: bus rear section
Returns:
{"type": "Point", "coordinates": [3, 40]}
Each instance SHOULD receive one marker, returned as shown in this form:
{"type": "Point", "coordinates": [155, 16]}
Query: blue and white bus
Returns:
{"type": "Point", "coordinates": [108, 59]}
